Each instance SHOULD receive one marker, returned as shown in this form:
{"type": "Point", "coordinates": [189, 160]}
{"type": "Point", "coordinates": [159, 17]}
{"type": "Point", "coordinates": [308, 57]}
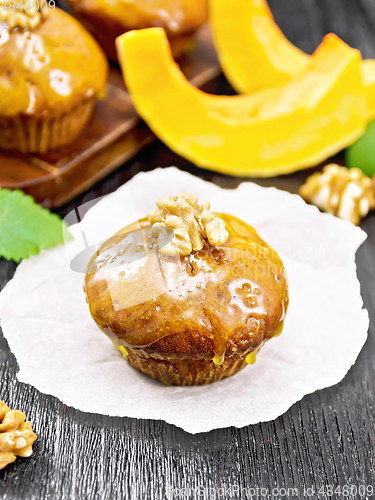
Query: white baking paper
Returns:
{"type": "Point", "coordinates": [61, 352]}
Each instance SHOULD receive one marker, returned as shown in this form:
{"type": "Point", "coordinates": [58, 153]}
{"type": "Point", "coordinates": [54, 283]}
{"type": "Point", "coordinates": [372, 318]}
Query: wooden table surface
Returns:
{"type": "Point", "coordinates": [324, 443]}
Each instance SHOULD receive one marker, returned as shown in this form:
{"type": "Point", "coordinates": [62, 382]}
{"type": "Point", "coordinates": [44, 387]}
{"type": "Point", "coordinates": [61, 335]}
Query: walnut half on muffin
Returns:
{"type": "Point", "coordinates": [192, 307]}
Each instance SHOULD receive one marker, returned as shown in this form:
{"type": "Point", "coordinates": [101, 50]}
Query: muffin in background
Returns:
{"type": "Point", "coordinates": [51, 71]}
{"type": "Point", "coordinates": [106, 20]}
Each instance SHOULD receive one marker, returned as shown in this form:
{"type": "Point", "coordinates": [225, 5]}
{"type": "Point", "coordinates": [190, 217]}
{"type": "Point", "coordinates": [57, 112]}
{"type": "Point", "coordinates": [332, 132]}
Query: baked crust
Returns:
{"type": "Point", "coordinates": [221, 304]}
{"type": "Point", "coordinates": [108, 20]}
{"type": "Point", "coordinates": [175, 371]}
{"type": "Point", "coordinates": [49, 70]}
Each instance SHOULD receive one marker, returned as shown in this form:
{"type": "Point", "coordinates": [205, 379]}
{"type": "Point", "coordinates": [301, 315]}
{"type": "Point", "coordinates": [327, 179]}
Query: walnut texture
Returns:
{"type": "Point", "coordinates": [25, 18]}
{"type": "Point", "coordinates": [346, 193]}
{"type": "Point", "coordinates": [16, 435]}
{"type": "Point", "coordinates": [190, 222]}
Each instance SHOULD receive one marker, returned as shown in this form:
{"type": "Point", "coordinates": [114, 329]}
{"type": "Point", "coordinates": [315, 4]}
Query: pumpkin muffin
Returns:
{"type": "Point", "coordinates": [51, 71]}
{"type": "Point", "coordinates": [107, 19]}
{"type": "Point", "coordinates": [187, 296]}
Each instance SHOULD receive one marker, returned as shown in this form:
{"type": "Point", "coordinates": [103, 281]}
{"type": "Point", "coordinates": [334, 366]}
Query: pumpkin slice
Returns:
{"type": "Point", "coordinates": [253, 51]}
{"type": "Point", "coordinates": [255, 54]}
{"type": "Point", "coordinates": [368, 75]}
{"type": "Point", "coordinates": [276, 131]}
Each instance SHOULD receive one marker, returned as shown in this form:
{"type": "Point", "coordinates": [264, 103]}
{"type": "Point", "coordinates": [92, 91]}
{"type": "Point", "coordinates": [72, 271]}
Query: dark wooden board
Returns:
{"type": "Point", "coordinates": [328, 438]}
{"type": "Point", "coordinates": [114, 135]}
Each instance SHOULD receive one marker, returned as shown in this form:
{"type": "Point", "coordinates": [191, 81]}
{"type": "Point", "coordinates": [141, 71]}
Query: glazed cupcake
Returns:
{"type": "Point", "coordinates": [107, 19]}
{"type": "Point", "coordinates": [186, 295]}
{"type": "Point", "coordinates": [51, 71]}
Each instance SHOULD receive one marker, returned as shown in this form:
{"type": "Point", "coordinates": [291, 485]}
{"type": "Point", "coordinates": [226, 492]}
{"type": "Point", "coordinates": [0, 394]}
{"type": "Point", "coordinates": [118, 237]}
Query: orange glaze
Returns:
{"type": "Point", "coordinates": [47, 71]}
{"type": "Point", "coordinates": [215, 292]}
{"type": "Point", "coordinates": [175, 16]}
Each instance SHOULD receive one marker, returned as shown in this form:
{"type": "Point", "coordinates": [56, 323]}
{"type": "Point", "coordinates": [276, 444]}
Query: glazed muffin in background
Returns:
{"type": "Point", "coordinates": [108, 19]}
{"type": "Point", "coordinates": [51, 71]}
{"type": "Point", "coordinates": [191, 307]}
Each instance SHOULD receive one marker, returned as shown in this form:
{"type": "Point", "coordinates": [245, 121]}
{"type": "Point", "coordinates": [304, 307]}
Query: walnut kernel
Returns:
{"type": "Point", "coordinates": [346, 193]}
{"type": "Point", "coordinates": [190, 222]}
{"type": "Point", "coordinates": [25, 17]}
{"type": "Point", "coordinates": [16, 435]}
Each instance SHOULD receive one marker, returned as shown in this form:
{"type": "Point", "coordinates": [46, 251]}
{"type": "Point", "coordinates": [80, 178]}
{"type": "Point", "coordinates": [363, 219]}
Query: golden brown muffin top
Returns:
{"type": "Point", "coordinates": [175, 16]}
{"type": "Point", "coordinates": [237, 290]}
{"type": "Point", "coordinates": [47, 70]}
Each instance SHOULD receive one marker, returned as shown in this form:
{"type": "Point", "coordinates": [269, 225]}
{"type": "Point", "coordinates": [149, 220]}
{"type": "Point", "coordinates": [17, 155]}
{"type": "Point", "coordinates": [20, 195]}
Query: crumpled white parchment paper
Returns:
{"type": "Point", "coordinates": [60, 351]}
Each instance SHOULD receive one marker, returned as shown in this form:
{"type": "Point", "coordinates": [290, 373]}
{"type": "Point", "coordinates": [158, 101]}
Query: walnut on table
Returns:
{"type": "Point", "coordinates": [346, 193]}
{"type": "Point", "coordinates": [16, 435]}
{"type": "Point", "coordinates": [190, 222]}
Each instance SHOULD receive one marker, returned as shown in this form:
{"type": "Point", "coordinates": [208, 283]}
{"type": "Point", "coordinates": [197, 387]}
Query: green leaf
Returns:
{"type": "Point", "coordinates": [26, 227]}
{"type": "Point", "coordinates": [362, 153]}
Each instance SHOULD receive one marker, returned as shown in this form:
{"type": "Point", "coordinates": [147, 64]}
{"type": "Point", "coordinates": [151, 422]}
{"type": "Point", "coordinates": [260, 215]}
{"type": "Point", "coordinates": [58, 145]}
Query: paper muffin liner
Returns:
{"type": "Point", "coordinates": [29, 134]}
{"type": "Point", "coordinates": [183, 371]}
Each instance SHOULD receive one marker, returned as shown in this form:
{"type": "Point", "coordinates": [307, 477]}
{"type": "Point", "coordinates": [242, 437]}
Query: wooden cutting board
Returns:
{"type": "Point", "coordinates": [114, 135]}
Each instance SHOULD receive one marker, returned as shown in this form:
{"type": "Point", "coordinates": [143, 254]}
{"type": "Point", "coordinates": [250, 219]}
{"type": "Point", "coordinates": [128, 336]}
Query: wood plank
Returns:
{"type": "Point", "coordinates": [328, 438]}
